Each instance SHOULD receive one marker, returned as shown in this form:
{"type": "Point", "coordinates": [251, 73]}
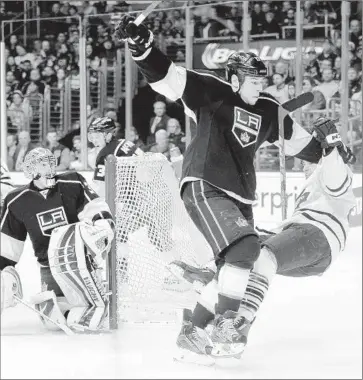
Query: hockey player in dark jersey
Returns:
{"type": "Point", "coordinates": [234, 118]}
{"type": "Point", "coordinates": [71, 230]}
{"type": "Point", "coordinates": [101, 133]}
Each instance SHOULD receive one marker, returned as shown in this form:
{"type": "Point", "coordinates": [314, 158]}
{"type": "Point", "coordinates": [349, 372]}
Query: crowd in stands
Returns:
{"type": "Point", "coordinates": [51, 60]}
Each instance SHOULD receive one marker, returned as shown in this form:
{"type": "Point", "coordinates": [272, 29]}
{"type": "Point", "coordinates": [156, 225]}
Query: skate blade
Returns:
{"type": "Point", "coordinates": [223, 350]}
{"type": "Point", "coordinates": [186, 356]}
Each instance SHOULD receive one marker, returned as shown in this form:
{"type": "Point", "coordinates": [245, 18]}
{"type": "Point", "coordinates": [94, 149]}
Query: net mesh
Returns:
{"type": "Point", "coordinates": [152, 229]}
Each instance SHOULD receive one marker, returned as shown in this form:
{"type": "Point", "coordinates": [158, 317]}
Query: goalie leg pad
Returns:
{"type": "Point", "coordinates": [74, 268]}
{"type": "Point", "coordinates": [10, 286]}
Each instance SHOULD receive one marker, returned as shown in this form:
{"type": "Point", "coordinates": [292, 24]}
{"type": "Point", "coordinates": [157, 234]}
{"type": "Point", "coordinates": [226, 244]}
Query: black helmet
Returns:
{"type": "Point", "coordinates": [242, 64]}
{"type": "Point", "coordinates": [102, 124]}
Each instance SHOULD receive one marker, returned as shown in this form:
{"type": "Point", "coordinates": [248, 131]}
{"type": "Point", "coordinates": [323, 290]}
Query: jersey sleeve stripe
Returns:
{"type": "Point", "coordinates": [7, 207]}
{"type": "Point", "coordinates": [11, 248]}
{"type": "Point", "coordinates": [340, 187]}
{"type": "Point", "coordinates": [342, 193]}
{"type": "Point", "coordinates": [325, 225]}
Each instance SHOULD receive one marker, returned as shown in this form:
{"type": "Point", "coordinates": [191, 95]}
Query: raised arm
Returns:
{"type": "Point", "coordinates": [175, 82]}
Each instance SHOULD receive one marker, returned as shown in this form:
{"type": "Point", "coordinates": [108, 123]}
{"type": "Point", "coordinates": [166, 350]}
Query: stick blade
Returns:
{"type": "Point", "coordinates": [298, 102]}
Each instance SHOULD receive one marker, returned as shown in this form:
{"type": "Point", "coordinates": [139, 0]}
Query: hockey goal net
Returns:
{"type": "Point", "coordinates": [153, 229]}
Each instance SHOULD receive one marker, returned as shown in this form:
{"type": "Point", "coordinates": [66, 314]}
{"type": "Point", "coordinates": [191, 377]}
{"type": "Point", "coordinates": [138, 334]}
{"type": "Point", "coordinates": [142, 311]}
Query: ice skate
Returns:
{"type": "Point", "coordinates": [193, 343]}
{"type": "Point", "coordinates": [229, 335]}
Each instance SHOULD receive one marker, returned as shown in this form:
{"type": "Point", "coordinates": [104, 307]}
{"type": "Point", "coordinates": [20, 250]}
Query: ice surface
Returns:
{"type": "Point", "coordinates": [307, 328]}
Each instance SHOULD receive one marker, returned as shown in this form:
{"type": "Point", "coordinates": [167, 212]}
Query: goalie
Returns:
{"type": "Point", "coordinates": [71, 230]}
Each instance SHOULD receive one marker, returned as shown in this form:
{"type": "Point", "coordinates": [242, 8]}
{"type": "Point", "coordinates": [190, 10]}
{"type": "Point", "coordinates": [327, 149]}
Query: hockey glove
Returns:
{"type": "Point", "coordinates": [139, 37]}
{"type": "Point", "coordinates": [325, 131]}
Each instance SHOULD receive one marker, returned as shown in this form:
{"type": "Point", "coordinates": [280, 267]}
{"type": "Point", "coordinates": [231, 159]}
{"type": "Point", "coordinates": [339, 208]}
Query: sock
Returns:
{"type": "Point", "coordinates": [201, 316]}
{"type": "Point", "coordinates": [256, 290]}
{"type": "Point", "coordinates": [232, 283]}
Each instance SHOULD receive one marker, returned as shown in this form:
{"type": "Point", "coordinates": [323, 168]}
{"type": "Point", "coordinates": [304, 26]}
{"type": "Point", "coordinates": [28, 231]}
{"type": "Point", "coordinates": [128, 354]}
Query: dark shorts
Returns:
{"type": "Point", "coordinates": [301, 250]}
{"type": "Point", "coordinates": [221, 219]}
{"type": "Point", "coordinates": [48, 282]}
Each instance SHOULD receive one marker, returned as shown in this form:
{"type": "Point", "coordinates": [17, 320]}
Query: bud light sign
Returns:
{"type": "Point", "coordinates": [213, 56]}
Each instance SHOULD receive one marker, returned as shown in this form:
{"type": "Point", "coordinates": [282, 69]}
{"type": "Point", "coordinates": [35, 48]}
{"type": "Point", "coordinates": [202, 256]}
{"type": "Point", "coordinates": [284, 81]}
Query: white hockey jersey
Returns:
{"type": "Point", "coordinates": [326, 201]}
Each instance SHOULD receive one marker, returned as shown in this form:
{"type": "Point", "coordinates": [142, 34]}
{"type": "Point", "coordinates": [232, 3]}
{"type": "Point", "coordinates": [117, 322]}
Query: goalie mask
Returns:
{"type": "Point", "coordinates": [101, 131]}
{"type": "Point", "coordinates": [39, 165]}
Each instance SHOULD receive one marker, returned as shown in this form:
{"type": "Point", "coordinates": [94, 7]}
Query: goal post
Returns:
{"type": "Point", "coordinates": [152, 229]}
{"type": "Point", "coordinates": [110, 175]}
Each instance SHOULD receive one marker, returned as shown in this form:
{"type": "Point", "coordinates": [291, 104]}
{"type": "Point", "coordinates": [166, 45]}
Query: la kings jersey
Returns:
{"type": "Point", "coordinates": [5, 183]}
{"type": "Point", "coordinates": [326, 201]}
{"type": "Point", "coordinates": [229, 131]}
{"type": "Point", "coordinates": [118, 148]}
{"type": "Point", "coordinates": [28, 210]}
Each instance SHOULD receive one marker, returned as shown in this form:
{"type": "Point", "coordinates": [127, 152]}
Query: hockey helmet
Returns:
{"type": "Point", "coordinates": [104, 125]}
{"type": "Point", "coordinates": [40, 164]}
{"type": "Point", "coordinates": [244, 64]}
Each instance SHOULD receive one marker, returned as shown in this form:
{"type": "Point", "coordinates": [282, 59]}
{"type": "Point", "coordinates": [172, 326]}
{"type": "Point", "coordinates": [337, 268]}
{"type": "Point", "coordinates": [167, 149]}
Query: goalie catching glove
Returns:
{"type": "Point", "coordinates": [326, 132]}
{"type": "Point", "coordinates": [139, 37]}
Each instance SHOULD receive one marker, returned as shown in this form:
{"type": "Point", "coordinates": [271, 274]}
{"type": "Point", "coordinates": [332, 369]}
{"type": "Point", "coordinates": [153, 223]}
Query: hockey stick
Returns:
{"type": "Point", "coordinates": [141, 17]}
{"type": "Point", "coordinates": [284, 109]}
{"type": "Point", "coordinates": [65, 328]}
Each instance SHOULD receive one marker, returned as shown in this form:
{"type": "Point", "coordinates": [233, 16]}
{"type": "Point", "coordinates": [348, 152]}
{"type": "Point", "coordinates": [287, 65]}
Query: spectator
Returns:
{"type": "Point", "coordinates": [279, 89]}
{"type": "Point", "coordinates": [11, 81]}
{"type": "Point", "coordinates": [162, 144]}
{"type": "Point", "coordinates": [291, 90]}
{"type": "Point", "coordinates": [355, 61]}
{"type": "Point", "coordinates": [61, 40]}
{"type": "Point", "coordinates": [355, 33]}
{"type": "Point", "coordinates": [175, 134]}
{"type": "Point", "coordinates": [159, 121]}
{"type": "Point", "coordinates": [62, 153]}
{"type": "Point", "coordinates": [61, 79]}
{"type": "Point", "coordinates": [328, 87]}
{"type": "Point", "coordinates": [135, 138]}
{"type": "Point", "coordinates": [178, 21]}
{"type": "Point", "coordinates": [49, 76]}
{"type": "Point", "coordinates": [289, 21]}
{"type": "Point", "coordinates": [88, 9]}
{"type": "Point", "coordinates": [20, 112]}
{"type": "Point", "coordinates": [327, 52]}
{"type": "Point", "coordinates": [35, 86]}
{"type": "Point", "coordinates": [22, 56]}
{"type": "Point", "coordinates": [338, 69]}
{"type": "Point", "coordinates": [13, 42]}
{"type": "Point", "coordinates": [72, 15]}
{"type": "Point", "coordinates": [282, 68]}
{"type": "Point", "coordinates": [74, 78]}
{"type": "Point", "coordinates": [75, 154]}
{"type": "Point", "coordinates": [108, 50]}
{"type": "Point", "coordinates": [257, 19]}
{"type": "Point", "coordinates": [265, 8]}
{"type": "Point", "coordinates": [265, 83]}
{"type": "Point", "coordinates": [310, 15]}
{"type": "Point", "coordinates": [282, 14]}
{"type": "Point", "coordinates": [23, 147]}
{"type": "Point", "coordinates": [354, 82]}
{"type": "Point", "coordinates": [319, 101]}
{"type": "Point", "coordinates": [11, 143]}
{"type": "Point", "coordinates": [271, 25]}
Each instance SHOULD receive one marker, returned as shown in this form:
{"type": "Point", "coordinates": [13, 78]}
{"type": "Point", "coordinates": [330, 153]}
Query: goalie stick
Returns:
{"type": "Point", "coordinates": [63, 327]}
{"type": "Point", "coordinates": [284, 109]}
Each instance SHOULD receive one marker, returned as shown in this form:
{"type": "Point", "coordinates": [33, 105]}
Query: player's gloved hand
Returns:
{"type": "Point", "coordinates": [139, 37]}
{"type": "Point", "coordinates": [326, 132]}
{"type": "Point", "coordinates": [346, 154]}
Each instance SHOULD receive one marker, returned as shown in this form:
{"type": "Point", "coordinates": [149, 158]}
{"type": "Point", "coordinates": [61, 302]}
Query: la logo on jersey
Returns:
{"type": "Point", "coordinates": [246, 126]}
{"type": "Point", "coordinates": [50, 219]}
